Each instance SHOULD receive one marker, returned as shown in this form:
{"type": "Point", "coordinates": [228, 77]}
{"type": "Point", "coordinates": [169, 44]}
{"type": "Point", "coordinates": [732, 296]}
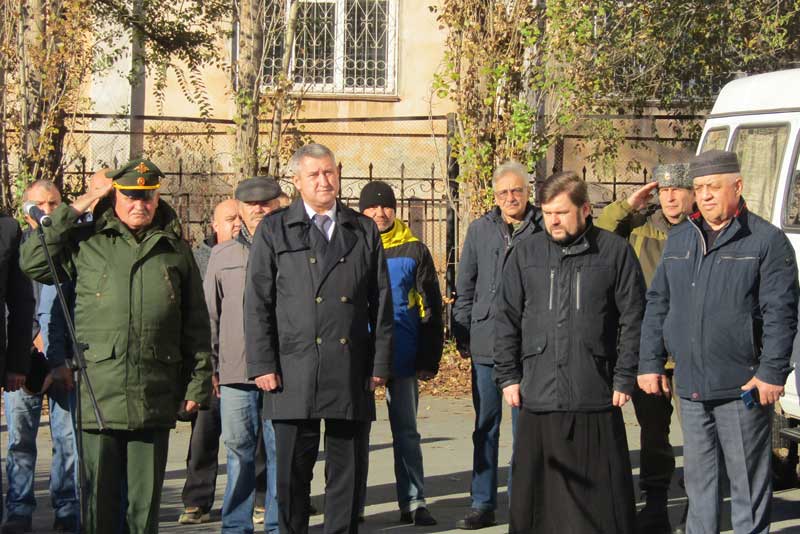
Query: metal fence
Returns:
{"type": "Point", "coordinates": [197, 158]}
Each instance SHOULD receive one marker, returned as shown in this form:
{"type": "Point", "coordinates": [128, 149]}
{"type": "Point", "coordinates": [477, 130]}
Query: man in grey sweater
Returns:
{"type": "Point", "coordinates": [240, 399]}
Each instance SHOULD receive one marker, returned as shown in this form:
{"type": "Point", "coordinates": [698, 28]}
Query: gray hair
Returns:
{"type": "Point", "coordinates": [44, 183]}
{"type": "Point", "coordinates": [511, 167]}
{"type": "Point", "coordinates": [312, 150]}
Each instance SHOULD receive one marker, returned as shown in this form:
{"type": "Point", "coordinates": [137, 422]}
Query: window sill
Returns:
{"type": "Point", "coordinates": [350, 97]}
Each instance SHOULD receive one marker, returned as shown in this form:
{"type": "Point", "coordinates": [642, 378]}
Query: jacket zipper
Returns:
{"type": "Point", "coordinates": [552, 280]}
{"type": "Point", "coordinates": [578, 290]}
{"type": "Point", "coordinates": [740, 258]}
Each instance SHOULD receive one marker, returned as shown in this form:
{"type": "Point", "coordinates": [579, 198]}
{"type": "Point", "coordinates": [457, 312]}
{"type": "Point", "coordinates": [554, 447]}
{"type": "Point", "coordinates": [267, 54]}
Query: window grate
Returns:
{"type": "Point", "coordinates": [341, 46]}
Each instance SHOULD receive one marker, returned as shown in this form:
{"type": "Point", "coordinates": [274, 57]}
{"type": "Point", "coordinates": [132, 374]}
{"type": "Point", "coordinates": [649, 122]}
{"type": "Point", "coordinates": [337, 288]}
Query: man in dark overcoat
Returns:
{"type": "Point", "coordinates": [318, 337]}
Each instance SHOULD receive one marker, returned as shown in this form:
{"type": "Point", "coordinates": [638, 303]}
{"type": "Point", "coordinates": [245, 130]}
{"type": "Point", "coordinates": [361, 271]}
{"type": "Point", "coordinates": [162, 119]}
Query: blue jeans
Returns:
{"type": "Point", "coordinates": [23, 413]}
{"type": "Point", "coordinates": [402, 399]}
{"type": "Point", "coordinates": [240, 407]}
{"type": "Point", "coordinates": [726, 435]}
{"type": "Point", "coordinates": [487, 400]}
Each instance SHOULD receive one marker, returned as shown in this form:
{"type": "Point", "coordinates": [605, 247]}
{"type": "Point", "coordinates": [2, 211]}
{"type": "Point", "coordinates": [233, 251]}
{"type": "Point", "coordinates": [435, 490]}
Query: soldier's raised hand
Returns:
{"type": "Point", "coordinates": [638, 199]}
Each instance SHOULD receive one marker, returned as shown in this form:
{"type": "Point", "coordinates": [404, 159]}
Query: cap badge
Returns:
{"type": "Point", "coordinates": [140, 180]}
{"type": "Point", "coordinates": [142, 168]}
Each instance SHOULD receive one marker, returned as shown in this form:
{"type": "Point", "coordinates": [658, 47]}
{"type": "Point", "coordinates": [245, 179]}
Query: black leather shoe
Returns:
{"type": "Point", "coordinates": [423, 518]}
{"type": "Point", "coordinates": [476, 519]}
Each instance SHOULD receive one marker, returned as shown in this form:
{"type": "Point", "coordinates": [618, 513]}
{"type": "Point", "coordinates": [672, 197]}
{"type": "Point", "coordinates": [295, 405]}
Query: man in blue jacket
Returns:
{"type": "Point", "coordinates": [723, 302]}
{"type": "Point", "coordinates": [418, 339]}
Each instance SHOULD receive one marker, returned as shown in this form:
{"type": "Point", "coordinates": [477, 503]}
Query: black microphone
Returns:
{"type": "Point", "coordinates": [35, 212]}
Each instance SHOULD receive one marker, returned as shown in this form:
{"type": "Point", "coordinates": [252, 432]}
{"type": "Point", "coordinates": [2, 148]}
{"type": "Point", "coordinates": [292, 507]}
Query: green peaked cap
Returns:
{"type": "Point", "coordinates": [138, 173]}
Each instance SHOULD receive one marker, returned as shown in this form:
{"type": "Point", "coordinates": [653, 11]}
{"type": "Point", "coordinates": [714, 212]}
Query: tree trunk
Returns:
{"type": "Point", "coordinates": [248, 91]}
{"type": "Point", "coordinates": [5, 182]}
{"type": "Point", "coordinates": [30, 38]}
{"type": "Point", "coordinates": [42, 130]}
{"type": "Point", "coordinates": [276, 132]}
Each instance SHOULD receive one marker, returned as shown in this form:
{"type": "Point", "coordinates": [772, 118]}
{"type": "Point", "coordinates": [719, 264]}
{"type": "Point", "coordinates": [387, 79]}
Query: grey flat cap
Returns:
{"type": "Point", "coordinates": [713, 162]}
{"type": "Point", "coordinates": [257, 189]}
{"type": "Point", "coordinates": [672, 175]}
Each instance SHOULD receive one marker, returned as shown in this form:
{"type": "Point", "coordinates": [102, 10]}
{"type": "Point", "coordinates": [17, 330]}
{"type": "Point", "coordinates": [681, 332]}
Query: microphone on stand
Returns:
{"type": "Point", "coordinates": [35, 212]}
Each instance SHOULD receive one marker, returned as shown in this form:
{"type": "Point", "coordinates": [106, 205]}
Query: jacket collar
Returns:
{"type": "Point", "coordinates": [661, 223]}
{"type": "Point", "coordinates": [581, 244]}
{"type": "Point", "coordinates": [398, 234]}
{"type": "Point", "coordinates": [296, 214]}
{"type": "Point", "coordinates": [532, 216]}
{"type": "Point", "coordinates": [738, 223]}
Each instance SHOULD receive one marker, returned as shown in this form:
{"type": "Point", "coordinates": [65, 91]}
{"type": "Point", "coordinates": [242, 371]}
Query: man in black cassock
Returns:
{"type": "Point", "coordinates": [566, 353]}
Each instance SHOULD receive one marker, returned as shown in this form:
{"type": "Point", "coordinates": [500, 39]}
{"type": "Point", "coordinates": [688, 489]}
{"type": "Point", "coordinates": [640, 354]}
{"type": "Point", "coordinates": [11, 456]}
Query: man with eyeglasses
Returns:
{"type": "Point", "coordinates": [140, 309]}
{"type": "Point", "coordinates": [489, 241]}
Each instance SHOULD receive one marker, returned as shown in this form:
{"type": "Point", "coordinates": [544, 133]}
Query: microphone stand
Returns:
{"type": "Point", "coordinates": [78, 365]}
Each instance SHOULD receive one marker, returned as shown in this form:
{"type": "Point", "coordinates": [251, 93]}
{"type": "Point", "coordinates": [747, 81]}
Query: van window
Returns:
{"type": "Point", "coordinates": [760, 150]}
{"type": "Point", "coordinates": [716, 139]}
{"type": "Point", "coordinates": [791, 215]}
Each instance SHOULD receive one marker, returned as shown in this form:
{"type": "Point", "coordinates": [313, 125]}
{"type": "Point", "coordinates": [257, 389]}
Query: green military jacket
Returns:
{"type": "Point", "coordinates": [646, 232]}
{"type": "Point", "coordinates": [140, 309]}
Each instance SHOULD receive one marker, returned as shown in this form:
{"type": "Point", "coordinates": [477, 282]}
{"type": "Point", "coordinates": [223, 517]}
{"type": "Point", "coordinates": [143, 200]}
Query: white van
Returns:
{"type": "Point", "coordinates": [758, 118]}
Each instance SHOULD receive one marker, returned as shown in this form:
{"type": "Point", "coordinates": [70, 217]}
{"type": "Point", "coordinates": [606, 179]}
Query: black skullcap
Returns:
{"type": "Point", "coordinates": [713, 162]}
{"type": "Point", "coordinates": [257, 189]}
{"type": "Point", "coordinates": [377, 193]}
{"type": "Point", "coordinates": [672, 175]}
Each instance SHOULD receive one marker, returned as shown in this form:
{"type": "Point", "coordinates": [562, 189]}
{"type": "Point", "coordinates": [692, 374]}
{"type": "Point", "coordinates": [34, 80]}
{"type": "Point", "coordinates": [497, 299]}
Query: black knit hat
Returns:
{"type": "Point", "coordinates": [713, 162]}
{"type": "Point", "coordinates": [377, 193]}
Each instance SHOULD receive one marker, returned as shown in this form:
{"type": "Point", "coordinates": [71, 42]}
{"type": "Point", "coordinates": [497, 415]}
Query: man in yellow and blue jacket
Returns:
{"type": "Point", "coordinates": [418, 339]}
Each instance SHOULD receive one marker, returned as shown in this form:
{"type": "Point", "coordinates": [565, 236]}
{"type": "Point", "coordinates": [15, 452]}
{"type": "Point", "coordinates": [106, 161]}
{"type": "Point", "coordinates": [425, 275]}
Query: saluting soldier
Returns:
{"type": "Point", "coordinates": [140, 308]}
{"type": "Point", "coordinates": [318, 336]}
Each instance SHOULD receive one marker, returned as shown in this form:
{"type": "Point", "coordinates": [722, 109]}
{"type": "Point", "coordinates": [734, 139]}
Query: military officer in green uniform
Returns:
{"type": "Point", "coordinates": [140, 309]}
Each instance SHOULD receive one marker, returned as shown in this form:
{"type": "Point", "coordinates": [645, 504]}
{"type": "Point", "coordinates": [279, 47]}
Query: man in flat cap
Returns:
{"type": "Point", "coordinates": [140, 309]}
{"type": "Point", "coordinates": [723, 303]}
{"type": "Point", "coordinates": [240, 398]}
{"type": "Point", "coordinates": [318, 334]}
{"type": "Point", "coordinates": [646, 230]}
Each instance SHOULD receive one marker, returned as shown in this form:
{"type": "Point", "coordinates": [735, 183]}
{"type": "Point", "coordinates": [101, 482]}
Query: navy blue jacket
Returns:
{"type": "Point", "coordinates": [480, 271]}
{"type": "Point", "coordinates": [726, 313]}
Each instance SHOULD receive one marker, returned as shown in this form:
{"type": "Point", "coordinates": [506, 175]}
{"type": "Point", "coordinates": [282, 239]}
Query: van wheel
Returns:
{"type": "Point", "coordinates": [784, 453]}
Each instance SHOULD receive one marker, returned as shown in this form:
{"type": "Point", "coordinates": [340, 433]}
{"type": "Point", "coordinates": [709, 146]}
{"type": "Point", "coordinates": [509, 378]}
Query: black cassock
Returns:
{"type": "Point", "coordinates": [572, 475]}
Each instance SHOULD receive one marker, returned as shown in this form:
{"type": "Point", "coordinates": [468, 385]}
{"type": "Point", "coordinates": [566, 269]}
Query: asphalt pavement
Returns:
{"type": "Point", "coordinates": [445, 426]}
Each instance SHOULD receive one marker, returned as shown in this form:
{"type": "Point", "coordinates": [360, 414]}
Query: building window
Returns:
{"type": "Point", "coordinates": [340, 46]}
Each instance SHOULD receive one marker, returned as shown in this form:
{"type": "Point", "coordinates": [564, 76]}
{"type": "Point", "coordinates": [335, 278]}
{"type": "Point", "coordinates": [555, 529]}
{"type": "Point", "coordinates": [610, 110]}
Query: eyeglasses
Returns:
{"type": "Point", "coordinates": [503, 193]}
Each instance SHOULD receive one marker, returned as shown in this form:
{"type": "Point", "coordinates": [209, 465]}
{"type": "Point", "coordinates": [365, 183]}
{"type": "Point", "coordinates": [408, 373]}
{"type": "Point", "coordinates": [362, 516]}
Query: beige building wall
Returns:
{"type": "Point", "coordinates": [420, 47]}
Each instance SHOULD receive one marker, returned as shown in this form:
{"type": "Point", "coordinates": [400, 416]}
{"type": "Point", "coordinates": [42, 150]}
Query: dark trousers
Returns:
{"type": "Point", "coordinates": [124, 465]}
{"type": "Point", "coordinates": [201, 458]}
{"type": "Point", "coordinates": [572, 474]}
{"type": "Point", "coordinates": [657, 459]}
{"type": "Point", "coordinates": [297, 444]}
